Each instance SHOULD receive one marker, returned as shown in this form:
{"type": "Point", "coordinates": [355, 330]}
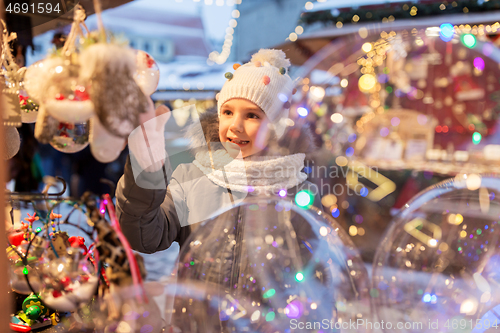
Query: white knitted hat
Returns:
{"type": "Point", "coordinates": [265, 82]}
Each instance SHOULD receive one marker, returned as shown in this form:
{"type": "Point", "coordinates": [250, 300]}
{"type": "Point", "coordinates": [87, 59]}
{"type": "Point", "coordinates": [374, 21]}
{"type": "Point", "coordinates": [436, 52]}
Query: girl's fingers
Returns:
{"type": "Point", "coordinates": [162, 109]}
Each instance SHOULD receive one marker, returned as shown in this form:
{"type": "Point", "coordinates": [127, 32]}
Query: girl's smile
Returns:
{"type": "Point", "coordinates": [242, 127]}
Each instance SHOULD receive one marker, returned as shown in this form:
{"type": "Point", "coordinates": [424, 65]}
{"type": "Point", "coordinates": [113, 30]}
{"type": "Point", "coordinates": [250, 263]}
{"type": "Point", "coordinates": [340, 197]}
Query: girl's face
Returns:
{"type": "Point", "coordinates": [243, 127]}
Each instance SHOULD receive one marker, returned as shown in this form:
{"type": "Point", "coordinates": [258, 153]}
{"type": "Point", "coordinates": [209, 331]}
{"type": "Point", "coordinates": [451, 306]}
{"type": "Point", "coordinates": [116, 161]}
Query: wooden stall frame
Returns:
{"type": "Point", "coordinates": [5, 301]}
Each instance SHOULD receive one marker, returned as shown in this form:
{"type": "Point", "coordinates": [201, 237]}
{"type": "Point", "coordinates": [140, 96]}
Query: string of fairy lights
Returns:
{"type": "Point", "coordinates": [216, 57]}
{"type": "Point", "coordinates": [220, 57]}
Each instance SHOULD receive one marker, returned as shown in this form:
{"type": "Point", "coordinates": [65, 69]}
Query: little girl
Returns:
{"type": "Point", "coordinates": [252, 150]}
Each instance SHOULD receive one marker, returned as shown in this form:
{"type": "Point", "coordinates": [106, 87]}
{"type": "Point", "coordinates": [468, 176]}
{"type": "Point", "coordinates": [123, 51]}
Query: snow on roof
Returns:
{"type": "Point", "coordinates": [140, 19]}
{"type": "Point", "coordinates": [136, 26]}
{"type": "Point", "coordinates": [192, 73]}
{"type": "Point", "coordinates": [162, 6]}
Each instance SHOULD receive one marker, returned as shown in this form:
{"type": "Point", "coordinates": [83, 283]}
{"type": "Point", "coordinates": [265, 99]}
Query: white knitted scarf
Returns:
{"type": "Point", "coordinates": [262, 174]}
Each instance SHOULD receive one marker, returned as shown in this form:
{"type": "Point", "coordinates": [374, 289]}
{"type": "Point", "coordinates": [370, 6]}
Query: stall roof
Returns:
{"type": "Point", "coordinates": [67, 18]}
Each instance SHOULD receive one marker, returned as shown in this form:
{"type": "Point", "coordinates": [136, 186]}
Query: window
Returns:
{"type": "Point", "coordinates": [162, 48]}
{"type": "Point", "coordinates": [146, 46]}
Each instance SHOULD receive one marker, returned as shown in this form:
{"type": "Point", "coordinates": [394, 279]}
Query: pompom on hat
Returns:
{"type": "Point", "coordinates": [265, 82]}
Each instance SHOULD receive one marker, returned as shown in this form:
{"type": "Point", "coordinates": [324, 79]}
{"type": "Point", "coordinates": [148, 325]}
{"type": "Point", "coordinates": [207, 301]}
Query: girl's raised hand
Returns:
{"type": "Point", "coordinates": [147, 142]}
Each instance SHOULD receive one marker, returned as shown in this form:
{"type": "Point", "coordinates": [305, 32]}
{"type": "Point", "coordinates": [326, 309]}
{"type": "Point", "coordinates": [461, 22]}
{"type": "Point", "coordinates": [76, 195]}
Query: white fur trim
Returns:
{"type": "Point", "coordinates": [116, 57]}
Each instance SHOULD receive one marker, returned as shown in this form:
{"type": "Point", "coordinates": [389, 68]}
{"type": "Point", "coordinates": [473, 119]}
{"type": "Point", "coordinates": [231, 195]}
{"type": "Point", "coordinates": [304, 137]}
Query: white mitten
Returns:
{"type": "Point", "coordinates": [147, 144]}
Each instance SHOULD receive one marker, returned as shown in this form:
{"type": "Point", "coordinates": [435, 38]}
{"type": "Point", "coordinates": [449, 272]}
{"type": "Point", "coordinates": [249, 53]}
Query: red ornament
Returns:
{"type": "Point", "coordinates": [56, 294]}
{"type": "Point", "coordinates": [23, 100]}
{"type": "Point", "coordinates": [59, 97]}
{"type": "Point", "coordinates": [65, 281]}
{"type": "Point", "coordinates": [78, 242]}
{"type": "Point", "coordinates": [81, 94]}
{"type": "Point", "coordinates": [68, 126]}
{"type": "Point", "coordinates": [16, 238]}
{"type": "Point", "coordinates": [149, 61]}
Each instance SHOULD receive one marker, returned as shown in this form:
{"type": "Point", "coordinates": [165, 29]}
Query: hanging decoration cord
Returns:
{"type": "Point", "coordinates": [100, 25]}
{"type": "Point", "coordinates": [10, 68]}
{"type": "Point", "coordinates": [79, 17]}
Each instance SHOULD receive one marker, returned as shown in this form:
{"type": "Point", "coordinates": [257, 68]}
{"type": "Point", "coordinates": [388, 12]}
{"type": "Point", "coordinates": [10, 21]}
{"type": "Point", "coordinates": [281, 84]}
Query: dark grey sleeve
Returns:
{"type": "Point", "coordinates": [148, 218]}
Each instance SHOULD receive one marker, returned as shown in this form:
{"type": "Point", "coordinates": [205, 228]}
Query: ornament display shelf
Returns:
{"type": "Point", "coordinates": [438, 167]}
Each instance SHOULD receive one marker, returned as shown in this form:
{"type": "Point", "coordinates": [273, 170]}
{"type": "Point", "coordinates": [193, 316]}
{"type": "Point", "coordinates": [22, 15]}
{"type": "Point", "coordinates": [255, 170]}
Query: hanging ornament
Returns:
{"type": "Point", "coordinates": [108, 69]}
{"type": "Point", "coordinates": [11, 78]}
{"type": "Point", "coordinates": [46, 126]}
{"type": "Point", "coordinates": [54, 84]}
{"type": "Point", "coordinates": [66, 99]}
{"type": "Point", "coordinates": [11, 142]}
{"type": "Point", "coordinates": [147, 73]}
{"type": "Point", "coordinates": [29, 109]}
{"type": "Point", "coordinates": [38, 76]}
{"type": "Point", "coordinates": [104, 146]}
{"type": "Point", "coordinates": [71, 138]}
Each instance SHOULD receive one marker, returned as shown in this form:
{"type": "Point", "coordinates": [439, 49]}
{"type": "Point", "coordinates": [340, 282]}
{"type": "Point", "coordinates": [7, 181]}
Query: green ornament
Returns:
{"type": "Point", "coordinates": [282, 70]}
{"type": "Point", "coordinates": [228, 75]}
{"type": "Point", "coordinates": [33, 312]}
{"type": "Point", "coordinates": [34, 300]}
{"type": "Point", "coordinates": [25, 270]}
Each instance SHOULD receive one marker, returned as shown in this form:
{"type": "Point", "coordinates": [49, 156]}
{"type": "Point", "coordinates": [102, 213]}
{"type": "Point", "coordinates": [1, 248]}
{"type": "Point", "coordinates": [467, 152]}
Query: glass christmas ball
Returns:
{"type": "Point", "coordinates": [266, 265]}
{"type": "Point", "coordinates": [38, 75]}
{"type": "Point", "coordinates": [66, 99]}
{"type": "Point", "coordinates": [436, 269]}
{"type": "Point", "coordinates": [147, 74]}
{"type": "Point", "coordinates": [68, 280]}
{"type": "Point", "coordinates": [126, 309]}
{"type": "Point", "coordinates": [71, 138]}
{"type": "Point", "coordinates": [23, 276]}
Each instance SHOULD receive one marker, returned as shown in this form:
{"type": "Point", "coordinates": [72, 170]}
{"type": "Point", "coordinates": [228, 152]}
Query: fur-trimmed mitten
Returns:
{"type": "Point", "coordinates": [108, 69]}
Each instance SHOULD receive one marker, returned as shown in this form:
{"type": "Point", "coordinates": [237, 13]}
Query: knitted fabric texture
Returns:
{"type": "Point", "coordinates": [258, 174]}
{"type": "Point", "coordinates": [261, 82]}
